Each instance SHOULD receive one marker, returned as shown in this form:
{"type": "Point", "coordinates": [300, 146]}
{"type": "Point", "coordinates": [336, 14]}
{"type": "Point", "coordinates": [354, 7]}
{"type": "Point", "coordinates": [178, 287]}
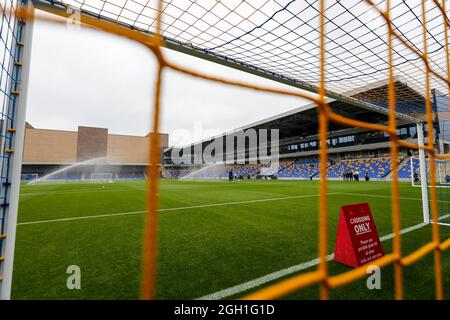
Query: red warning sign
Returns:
{"type": "Point", "coordinates": [357, 240]}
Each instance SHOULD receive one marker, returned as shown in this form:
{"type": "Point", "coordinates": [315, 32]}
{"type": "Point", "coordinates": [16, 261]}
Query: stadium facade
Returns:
{"type": "Point", "coordinates": [85, 151]}
{"type": "Point", "coordinates": [91, 150]}
{"type": "Point", "coordinates": [349, 149]}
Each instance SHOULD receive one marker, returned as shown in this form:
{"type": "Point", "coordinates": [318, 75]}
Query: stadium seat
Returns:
{"type": "Point", "coordinates": [404, 172]}
{"type": "Point", "coordinates": [298, 169]}
{"type": "Point", "coordinates": [376, 168]}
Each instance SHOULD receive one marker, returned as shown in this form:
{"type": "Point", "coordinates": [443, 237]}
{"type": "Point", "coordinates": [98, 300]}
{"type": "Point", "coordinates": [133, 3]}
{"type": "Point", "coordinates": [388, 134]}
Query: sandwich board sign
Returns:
{"type": "Point", "coordinates": [357, 240]}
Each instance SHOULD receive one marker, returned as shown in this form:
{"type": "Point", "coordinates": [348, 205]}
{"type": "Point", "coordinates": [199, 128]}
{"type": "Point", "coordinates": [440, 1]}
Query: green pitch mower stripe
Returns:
{"type": "Point", "coordinates": [120, 189]}
{"type": "Point", "coordinates": [285, 272]}
{"type": "Point", "coordinates": [171, 209]}
{"type": "Point", "coordinates": [205, 206]}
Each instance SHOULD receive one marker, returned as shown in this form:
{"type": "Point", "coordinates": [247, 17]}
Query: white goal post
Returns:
{"type": "Point", "coordinates": [442, 172]}
{"type": "Point", "coordinates": [104, 176]}
{"type": "Point", "coordinates": [420, 177]}
{"type": "Point", "coordinates": [13, 118]}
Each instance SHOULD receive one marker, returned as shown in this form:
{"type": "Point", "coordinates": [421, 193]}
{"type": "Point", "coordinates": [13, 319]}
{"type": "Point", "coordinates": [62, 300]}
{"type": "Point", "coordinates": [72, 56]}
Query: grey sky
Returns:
{"type": "Point", "coordinates": [85, 77]}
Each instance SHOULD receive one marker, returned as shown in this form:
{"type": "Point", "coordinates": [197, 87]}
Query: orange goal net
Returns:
{"type": "Point", "coordinates": [240, 35]}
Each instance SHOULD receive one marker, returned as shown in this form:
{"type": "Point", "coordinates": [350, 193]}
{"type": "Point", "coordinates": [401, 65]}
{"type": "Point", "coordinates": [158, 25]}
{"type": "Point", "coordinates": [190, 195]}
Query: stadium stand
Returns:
{"type": "Point", "coordinates": [246, 169]}
{"type": "Point", "coordinates": [298, 169]}
{"type": "Point", "coordinates": [404, 172]}
{"type": "Point", "coordinates": [369, 150]}
{"type": "Point", "coordinates": [243, 170]}
{"type": "Point", "coordinates": [177, 172]}
{"type": "Point", "coordinates": [65, 177]}
{"type": "Point", "coordinates": [130, 176]}
{"type": "Point", "coordinates": [376, 168]}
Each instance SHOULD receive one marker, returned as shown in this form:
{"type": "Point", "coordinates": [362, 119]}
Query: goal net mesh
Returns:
{"type": "Point", "coordinates": [442, 173]}
{"type": "Point", "coordinates": [335, 49]}
{"type": "Point", "coordinates": [102, 176]}
{"type": "Point", "coordinates": [442, 178]}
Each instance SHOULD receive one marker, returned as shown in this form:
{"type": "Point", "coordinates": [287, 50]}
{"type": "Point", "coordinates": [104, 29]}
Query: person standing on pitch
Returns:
{"type": "Point", "coordinates": [356, 175]}
{"type": "Point", "coordinates": [230, 175]}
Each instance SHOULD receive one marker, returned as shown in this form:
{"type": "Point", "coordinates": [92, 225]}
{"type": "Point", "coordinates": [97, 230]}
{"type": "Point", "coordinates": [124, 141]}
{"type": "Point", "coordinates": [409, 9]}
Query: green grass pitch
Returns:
{"type": "Point", "coordinates": [213, 235]}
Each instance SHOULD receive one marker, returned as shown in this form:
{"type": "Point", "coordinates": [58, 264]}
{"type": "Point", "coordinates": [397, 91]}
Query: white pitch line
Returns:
{"type": "Point", "coordinates": [100, 190]}
{"type": "Point", "coordinates": [170, 209]}
{"type": "Point", "coordinates": [92, 190]}
{"type": "Point", "coordinates": [196, 207]}
{"type": "Point", "coordinates": [290, 270]}
{"type": "Point", "coordinates": [81, 218]}
{"type": "Point", "coordinates": [51, 193]}
{"type": "Point", "coordinates": [381, 196]}
{"type": "Point", "coordinates": [261, 280]}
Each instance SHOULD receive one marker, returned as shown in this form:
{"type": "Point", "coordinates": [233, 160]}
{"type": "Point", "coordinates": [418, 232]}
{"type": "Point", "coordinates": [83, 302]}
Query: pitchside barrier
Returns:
{"type": "Point", "coordinates": [333, 69]}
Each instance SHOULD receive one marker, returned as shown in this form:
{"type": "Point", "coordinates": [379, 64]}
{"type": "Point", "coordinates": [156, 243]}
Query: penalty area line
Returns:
{"type": "Point", "coordinates": [290, 270]}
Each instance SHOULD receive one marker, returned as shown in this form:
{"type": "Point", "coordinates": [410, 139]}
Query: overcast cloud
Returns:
{"type": "Point", "coordinates": [85, 77]}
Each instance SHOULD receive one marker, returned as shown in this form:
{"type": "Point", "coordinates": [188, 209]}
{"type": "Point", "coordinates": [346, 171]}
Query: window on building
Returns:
{"type": "Point", "coordinates": [346, 139]}
{"type": "Point", "coordinates": [402, 131]}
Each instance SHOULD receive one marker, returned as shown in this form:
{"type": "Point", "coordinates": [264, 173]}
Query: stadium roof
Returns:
{"type": "Point", "coordinates": [279, 40]}
{"type": "Point", "coordinates": [303, 121]}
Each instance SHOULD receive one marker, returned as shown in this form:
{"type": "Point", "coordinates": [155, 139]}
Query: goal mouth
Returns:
{"type": "Point", "coordinates": [421, 178]}
{"type": "Point", "coordinates": [442, 173]}
{"type": "Point", "coordinates": [102, 177]}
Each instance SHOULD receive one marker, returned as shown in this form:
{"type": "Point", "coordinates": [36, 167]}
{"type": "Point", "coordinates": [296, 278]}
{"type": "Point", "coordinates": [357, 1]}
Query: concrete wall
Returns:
{"type": "Point", "coordinates": [92, 143]}
{"type": "Point", "coordinates": [44, 146]}
{"type": "Point", "coordinates": [127, 149]}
